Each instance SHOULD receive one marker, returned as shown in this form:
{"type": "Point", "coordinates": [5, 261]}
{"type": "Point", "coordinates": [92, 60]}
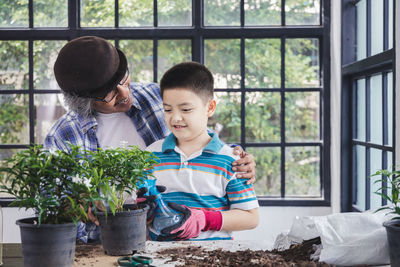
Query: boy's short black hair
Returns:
{"type": "Point", "coordinates": [189, 75]}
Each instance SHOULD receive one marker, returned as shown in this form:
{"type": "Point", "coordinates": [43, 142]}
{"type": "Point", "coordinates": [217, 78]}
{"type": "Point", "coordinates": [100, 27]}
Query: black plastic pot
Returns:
{"type": "Point", "coordinates": [393, 235]}
{"type": "Point", "coordinates": [124, 233]}
{"type": "Point", "coordinates": [48, 244]}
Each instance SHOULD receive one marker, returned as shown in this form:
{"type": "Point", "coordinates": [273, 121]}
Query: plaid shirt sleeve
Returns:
{"type": "Point", "coordinates": [74, 129]}
{"type": "Point", "coordinates": [147, 112]}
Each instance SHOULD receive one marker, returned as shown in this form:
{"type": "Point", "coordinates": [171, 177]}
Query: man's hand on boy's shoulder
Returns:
{"type": "Point", "coordinates": [245, 166]}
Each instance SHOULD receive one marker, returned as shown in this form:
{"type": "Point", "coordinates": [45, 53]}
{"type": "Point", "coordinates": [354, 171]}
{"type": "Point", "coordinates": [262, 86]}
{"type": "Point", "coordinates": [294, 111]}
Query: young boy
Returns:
{"type": "Point", "coordinates": [195, 166]}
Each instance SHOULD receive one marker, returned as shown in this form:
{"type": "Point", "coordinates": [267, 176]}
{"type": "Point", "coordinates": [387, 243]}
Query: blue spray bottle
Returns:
{"type": "Point", "coordinates": [163, 216]}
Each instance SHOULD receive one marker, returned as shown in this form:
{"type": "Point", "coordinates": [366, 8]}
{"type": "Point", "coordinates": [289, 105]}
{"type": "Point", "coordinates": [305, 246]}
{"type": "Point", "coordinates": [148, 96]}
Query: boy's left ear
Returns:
{"type": "Point", "coordinates": [212, 105]}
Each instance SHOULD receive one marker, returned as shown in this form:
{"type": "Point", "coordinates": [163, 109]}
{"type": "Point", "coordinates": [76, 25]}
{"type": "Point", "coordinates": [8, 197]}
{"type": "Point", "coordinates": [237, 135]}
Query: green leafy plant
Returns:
{"type": "Point", "coordinates": [390, 190]}
{"type": "Point", "coordinates": [50, 183]}
{"type": "Point", "coordinates": [116, 173]}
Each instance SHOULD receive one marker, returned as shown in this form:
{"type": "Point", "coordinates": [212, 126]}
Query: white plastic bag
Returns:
{"type": "Point", "coordinates": [347, 238]}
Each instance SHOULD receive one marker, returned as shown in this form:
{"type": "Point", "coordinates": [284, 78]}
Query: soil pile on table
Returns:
{"type": "Point", "coordinates": [296, 255]}
{"type": "Point", "coordinates": [299, 252]}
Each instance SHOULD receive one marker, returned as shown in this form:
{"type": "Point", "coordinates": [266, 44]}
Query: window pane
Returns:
{"type": "Point", "coordinates": [361, 109]}
{"type": "Point", "coordinates": [375, 165]}
{"type": "Point", "coordinates": [376, 109]}
{"type": "Point", "coordinates": [302, 171]}
{"type": "Point", "coordinates": [268, 174]}
{"type": "Point", "coordinates": [14, 65]}
{"type": "Point", "coordinates": [133, 13]}
{"type": "Point", "coordinates": [263, 63]}
{"type": "Point", "coordinates": [14, 13]}
{"type": "Point", "coordinates": [262, 12]}
{"type": "Point", "coordinates": [171, 52]}
{"type": "Point", "coordinates": [48, 108]}
{"type": "Point", "coordinates": [390, 28]}
{"type": "Point", "coordinates": [4, 154]}
{"type": "Point", "coordinates": [139, 54]}
{"type": "Point", "coordinates": [8, 153]}
{"type": "Point", "coordinates": [174, 13]}
{"type": "Point", "coordinates": [302, 63]}
{"type": "Point", "coordinates": [389, 160]}
{"type": "Point", "coordinates": [389, 165]}
{"type": "Point", "coordinates": [390, 108]}
{"type": "Point", "coordinates": [361, 29]}
{"type": "Point", "coordinates": [222, 57]}
{"type": "Point", "coordinates": [4, 195]}
{"type": "Point", "coordinates": [226, 119]}
{"type": "Point", "coordinates": [99, 13]}
{"type": "Point", "coordinates": [222, 13]}
{"type": "Point", "coordinates": [263, 113]}
{"type": "Point", "coordinates": [14, 122]}
{"type": "Point", "coordinates": [302, 116]}
{"type": "Point", "coordinates": [376, 27]}
{"type": "Point", "coordinates": [44, 55]}
{"type": "Point", "coordinates": [50, 13]}
{"type": "Point", "coordinates": [361, 177]}
{"type": "Point", "coordinates": [302, 12]}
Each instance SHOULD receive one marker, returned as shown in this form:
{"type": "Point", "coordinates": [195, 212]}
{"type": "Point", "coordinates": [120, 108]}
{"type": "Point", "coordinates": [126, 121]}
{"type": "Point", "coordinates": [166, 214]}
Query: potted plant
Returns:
{"type": "Point", "coordinates": [49, 183]}
{"type": "Point", "coordinates": [116, 173]}
{"type": "Point", "coordinates": [390, 191]}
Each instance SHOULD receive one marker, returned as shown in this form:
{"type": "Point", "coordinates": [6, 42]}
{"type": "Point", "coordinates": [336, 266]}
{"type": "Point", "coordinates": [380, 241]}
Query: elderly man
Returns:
{"type": "Point", "coordinates": [105, 108]}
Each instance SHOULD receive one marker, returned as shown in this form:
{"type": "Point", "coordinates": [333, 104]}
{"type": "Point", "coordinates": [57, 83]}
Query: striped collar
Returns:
{"type": "Point", "coordinates": [214, 146]}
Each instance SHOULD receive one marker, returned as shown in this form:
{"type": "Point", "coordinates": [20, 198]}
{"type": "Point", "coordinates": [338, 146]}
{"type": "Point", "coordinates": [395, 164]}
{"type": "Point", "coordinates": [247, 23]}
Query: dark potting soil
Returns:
{"type": "Point", "coordinates": [299, 252]}
{"type": "Point", "coordinates": [296, 255]}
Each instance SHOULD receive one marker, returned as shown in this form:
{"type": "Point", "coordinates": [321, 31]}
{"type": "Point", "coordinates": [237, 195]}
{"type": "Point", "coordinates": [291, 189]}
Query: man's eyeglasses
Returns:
{"type": "Point", "coordinates": [113, 93]}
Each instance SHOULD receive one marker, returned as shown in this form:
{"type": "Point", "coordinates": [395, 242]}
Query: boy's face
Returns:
{"type": "Point", "coordinates": [186, 114]}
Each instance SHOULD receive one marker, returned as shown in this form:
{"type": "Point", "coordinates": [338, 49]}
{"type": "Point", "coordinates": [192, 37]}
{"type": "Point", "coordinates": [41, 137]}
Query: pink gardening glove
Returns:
{"type": "Point", "coordinates": [193, 221]}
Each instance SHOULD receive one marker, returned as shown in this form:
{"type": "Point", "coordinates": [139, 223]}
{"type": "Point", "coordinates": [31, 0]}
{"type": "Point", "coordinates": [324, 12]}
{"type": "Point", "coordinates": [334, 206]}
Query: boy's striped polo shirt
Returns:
{"type": "Point", "coordinates": [204, 180]}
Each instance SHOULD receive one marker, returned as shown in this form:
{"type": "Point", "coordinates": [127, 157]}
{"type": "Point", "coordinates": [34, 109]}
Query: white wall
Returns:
{"type": "Point", "coordinates": [10, 229]}
{"type": "Point", "coordinates": [273, 220]}
{"type": "Point", "coordinates": [336, 78]}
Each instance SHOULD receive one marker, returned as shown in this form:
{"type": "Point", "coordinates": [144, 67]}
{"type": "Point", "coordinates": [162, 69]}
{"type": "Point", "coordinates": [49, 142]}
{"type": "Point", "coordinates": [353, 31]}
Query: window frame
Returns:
{"type": "Point", "coordinates": [352, 70]}
{"type": "Point", "coordinates": [197, 33]}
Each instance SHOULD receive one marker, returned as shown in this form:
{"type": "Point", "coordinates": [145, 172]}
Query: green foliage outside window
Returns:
{"type": "Point", "coordinates": [222, 56]}
{"type": "Point", "coordinates": [14, 13]}
{"type": "Point", "coordinates": [13, 117]}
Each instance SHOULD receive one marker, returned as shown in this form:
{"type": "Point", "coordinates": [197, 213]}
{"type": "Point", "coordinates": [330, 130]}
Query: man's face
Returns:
{"type": "Point", "coordinates": [122, 101]}
{"type": "Point", "coordinates": [186, 114]}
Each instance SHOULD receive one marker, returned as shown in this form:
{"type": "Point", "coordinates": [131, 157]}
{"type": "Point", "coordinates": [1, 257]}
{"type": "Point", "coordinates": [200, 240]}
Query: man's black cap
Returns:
{"type": "Point", "coordinates": [89, 66]}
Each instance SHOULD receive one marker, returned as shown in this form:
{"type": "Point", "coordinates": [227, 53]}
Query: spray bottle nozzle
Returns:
{"type": "Point", "coordinates": [164, 217]}
{"type": "Point", "coordinates": [152, 188]}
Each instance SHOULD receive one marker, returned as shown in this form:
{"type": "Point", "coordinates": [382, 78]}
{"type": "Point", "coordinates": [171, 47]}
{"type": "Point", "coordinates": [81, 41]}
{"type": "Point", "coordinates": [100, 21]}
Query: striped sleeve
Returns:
{"type": "Point", "coordinates": [241, 195]}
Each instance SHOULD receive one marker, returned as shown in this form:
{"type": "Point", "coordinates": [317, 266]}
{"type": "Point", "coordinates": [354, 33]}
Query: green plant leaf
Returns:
{"type": "Point", "coordinates": [383, 208]}
{"type": "Point", "coordinates": [391, 185]}
{"type": "Point", "coordinates": [384, 196]}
